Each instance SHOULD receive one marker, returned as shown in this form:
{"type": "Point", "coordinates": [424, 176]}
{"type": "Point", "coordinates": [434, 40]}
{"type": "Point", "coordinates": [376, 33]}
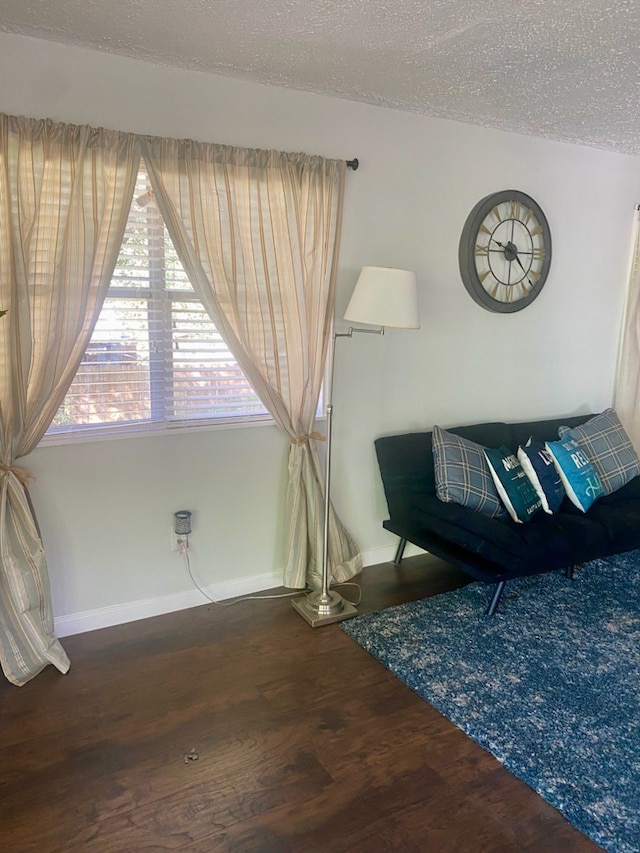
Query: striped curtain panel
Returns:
{"type": "Point", "coordinates": [258, 234]}
{"type": "Point", "coordinates": [65, 192]}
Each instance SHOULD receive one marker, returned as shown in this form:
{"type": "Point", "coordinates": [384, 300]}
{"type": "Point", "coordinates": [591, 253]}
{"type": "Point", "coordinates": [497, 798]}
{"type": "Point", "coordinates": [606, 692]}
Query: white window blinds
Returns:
{"type": "Point", "coordinates": [155, 358]}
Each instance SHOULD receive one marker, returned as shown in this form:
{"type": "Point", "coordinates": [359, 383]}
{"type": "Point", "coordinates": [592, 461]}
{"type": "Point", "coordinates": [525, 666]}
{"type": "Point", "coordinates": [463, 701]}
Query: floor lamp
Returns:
{"type": "Point", "coordinates": [382, 297]}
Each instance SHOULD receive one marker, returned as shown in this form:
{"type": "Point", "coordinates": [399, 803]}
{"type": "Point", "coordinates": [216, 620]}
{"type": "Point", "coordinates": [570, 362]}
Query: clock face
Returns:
{"type": "Point", "coordinates": [505, 251]}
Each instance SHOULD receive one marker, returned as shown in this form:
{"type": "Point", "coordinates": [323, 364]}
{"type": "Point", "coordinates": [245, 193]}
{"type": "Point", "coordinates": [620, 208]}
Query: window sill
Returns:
{"type": "Point", "coordinates": [85, 436]}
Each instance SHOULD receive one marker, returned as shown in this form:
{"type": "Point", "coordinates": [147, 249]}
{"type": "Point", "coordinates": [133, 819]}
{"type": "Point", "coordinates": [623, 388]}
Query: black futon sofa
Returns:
{"type": "Point", "coordinates": [494, 550]}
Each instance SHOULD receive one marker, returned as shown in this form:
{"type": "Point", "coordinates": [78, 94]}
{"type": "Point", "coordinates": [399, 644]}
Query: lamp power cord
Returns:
{"type": "Point", "coordinates": [183, 549]}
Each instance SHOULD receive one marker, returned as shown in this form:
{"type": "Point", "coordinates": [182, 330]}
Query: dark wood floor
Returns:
{"type": "Point", "coordinates": [304, 743]}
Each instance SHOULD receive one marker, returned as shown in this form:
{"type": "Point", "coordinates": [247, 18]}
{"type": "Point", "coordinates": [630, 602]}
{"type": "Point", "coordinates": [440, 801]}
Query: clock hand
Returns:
{"type": "Point", "coordinates": [523, 270]}
{"type": "Point", "coordinates": [513, 250]}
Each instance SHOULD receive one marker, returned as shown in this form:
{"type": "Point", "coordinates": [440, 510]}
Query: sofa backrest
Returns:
{"type": "Point", "coordinates": [406, 460]}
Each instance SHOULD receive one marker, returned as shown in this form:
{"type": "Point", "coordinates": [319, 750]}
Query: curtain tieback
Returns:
{"type": "Point", "coordinates": [21, 473]}
{"type": "Point", "coordinates": [303, 439]}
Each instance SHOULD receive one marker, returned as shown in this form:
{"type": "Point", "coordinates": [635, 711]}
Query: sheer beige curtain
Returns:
{"type": "Point", "coordinates": [65, 192]}
{"type": "Point", "coordinates": [627, 392]}
{"type": "Point", "coordinates": [258, 234]}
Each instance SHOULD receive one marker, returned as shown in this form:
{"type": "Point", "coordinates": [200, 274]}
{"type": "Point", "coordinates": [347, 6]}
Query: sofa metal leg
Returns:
{"type": "Point", "coordinates": [495, 600]}
{"type": "Point", "coordinates": [569, 572]}
{"type": "Point", "coordinates": [399, 552]}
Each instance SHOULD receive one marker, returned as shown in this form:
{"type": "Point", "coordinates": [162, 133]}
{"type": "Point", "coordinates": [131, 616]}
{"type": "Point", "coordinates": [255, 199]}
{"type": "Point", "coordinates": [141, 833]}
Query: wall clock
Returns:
{"type": "Point", "coordinates": [505, 251]}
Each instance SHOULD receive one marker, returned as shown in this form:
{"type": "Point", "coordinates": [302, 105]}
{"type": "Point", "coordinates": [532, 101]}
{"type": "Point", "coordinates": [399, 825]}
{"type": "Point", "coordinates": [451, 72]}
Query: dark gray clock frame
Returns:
{"type": "Point", "coordinates": [469, 240]}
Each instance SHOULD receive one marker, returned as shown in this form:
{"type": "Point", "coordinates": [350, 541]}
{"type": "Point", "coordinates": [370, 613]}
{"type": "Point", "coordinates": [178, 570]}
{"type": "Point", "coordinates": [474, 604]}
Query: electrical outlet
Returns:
{"type": "Point", "coordinates": [175, 540]}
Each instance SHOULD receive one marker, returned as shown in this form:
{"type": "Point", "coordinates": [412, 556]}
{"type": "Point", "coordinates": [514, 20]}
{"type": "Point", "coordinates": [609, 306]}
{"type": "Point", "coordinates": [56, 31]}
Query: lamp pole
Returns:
{"type": "Point", "coordinates": [325, 606]}
{"type": "Point", "coordinates": [380, 294]}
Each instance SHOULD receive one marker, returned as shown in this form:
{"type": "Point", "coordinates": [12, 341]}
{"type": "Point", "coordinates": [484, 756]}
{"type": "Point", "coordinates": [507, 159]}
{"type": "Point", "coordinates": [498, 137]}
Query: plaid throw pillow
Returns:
{"type": "Point", "coordinates": [462, 474]}
{"type": "Point", "coordinates": [608, 447]}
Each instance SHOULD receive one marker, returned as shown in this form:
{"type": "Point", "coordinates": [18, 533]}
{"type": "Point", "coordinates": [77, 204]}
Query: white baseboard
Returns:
{"type": "Point", "coordinates": [130, 611]}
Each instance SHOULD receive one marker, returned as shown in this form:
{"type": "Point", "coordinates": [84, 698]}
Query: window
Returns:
{"type": "Point", "coordinates": [155, 359]}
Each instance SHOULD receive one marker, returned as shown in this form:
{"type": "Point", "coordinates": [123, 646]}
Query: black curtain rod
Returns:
{"type": "Point", "coordinates": [353, 164]}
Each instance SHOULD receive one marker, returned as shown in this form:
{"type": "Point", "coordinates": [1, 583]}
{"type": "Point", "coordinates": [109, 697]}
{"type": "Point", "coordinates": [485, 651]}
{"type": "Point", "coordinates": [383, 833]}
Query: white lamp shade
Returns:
{"type": "Point", "coordinates": [384, 297]}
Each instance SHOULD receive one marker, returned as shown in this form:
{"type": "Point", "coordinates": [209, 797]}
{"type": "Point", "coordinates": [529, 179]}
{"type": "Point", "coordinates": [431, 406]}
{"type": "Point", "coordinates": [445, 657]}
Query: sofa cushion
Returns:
{"type": "Point", "coordinates": [619, 515]}
{"type": "Point", "coordinates": [538, 465]}
{"type": "Point", "coordinates": [546, 543]}
{"type": "Point", "coordinates": [462, 474]}
{"type": "Point", "coordinates": [608, 448]}
{"type": "Point", "coordinates": [541, 430]}
{"type": "Point", "coordinates": [578, 475]}
{"type": "Point", "coordinates": [513, 485]}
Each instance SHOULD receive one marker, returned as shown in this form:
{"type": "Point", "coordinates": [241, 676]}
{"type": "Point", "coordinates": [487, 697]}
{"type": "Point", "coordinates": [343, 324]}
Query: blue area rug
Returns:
{"type": "Point", "coordinates": [550, 685]}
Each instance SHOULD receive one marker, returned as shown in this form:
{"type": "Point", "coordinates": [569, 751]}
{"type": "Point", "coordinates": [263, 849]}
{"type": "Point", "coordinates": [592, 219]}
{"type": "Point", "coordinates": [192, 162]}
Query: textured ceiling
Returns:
{"type": "Point", "coordinates": [564, 69]}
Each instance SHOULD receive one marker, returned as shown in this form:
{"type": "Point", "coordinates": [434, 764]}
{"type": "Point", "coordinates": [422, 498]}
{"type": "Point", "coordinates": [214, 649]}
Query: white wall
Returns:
{"type": "Point", "coordinates": [105, 507]}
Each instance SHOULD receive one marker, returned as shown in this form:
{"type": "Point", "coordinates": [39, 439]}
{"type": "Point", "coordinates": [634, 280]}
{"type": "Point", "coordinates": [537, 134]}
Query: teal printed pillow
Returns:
{"type": "Point", "coordinates": [579, 477]}
{"type": "Point", "coordinates": [462, 474]}
{"type": "Point", "coordinates": [609, 449]}
{"type": "Point", "coordinates": [539, 468]}
{"type": "Point", "coordinates": [513, 485]}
